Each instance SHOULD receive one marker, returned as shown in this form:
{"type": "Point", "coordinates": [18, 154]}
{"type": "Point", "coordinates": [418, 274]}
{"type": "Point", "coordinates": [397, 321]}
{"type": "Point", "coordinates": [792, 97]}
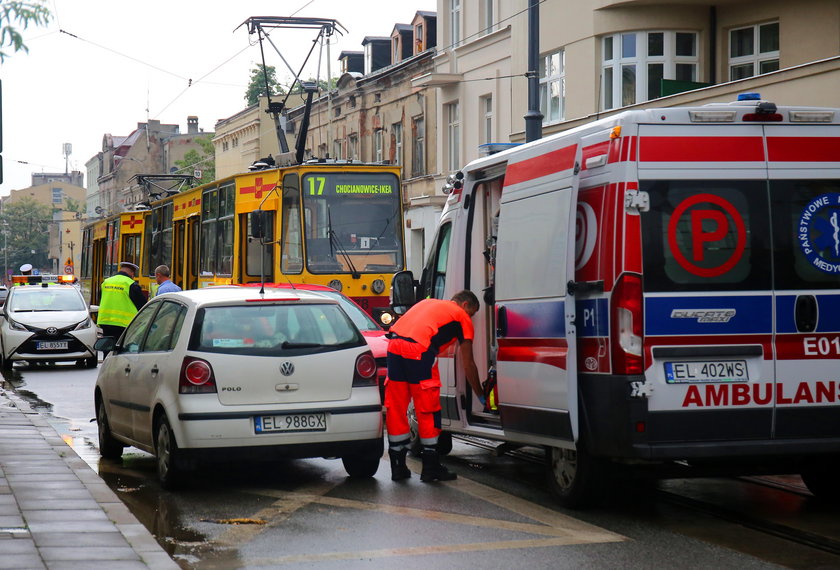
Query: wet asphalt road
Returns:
{"type": "Point", "coordinates": [307, 513]}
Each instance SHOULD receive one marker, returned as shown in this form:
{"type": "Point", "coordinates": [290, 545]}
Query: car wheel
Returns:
{"type": "Point", "coordinates": [363, 464]}
{"type": "Point", "coordinates": [167, 455]}
{"type": "Point", "coordinates": [109, 446]}
{"type": "Point", "coordinates": [91, 362]}
{"type": "Point", "coordinates": [574, 476]}
{"type": "Point", "coordinates": [821, 479]}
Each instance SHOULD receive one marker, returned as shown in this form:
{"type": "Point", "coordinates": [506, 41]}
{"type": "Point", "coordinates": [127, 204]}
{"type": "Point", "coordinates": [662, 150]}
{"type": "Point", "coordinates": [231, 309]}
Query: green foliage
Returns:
{"type": "Point", "coordinates": [72, 205]}
{"type": "Point", "coordinates": [205, 161]}
{"type": "Point", "coordinates": [27, 223]}
{"type": "Point", "coordinates": [256, 86]}
{"type": "Point", "coordinates": [14, 14]}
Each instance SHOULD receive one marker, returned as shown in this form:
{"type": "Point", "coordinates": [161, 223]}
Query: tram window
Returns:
{"type": "Point", "coordinates": [225, 247]}
{"type": "Point", "coordinates": [706, 235]}
{"type": "Point", "coordinates": [207, 262]}
{"type": "Point", "coordinates": [291, 249]}
{"type": "Point", "coordinates": [256, 251]}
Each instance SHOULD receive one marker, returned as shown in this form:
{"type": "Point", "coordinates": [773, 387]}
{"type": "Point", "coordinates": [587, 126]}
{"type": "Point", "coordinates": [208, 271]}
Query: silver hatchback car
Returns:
{"type": "Point", "coordinates": [229, 372]}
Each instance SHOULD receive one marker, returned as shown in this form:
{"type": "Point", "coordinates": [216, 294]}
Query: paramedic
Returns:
{"type": "Point", "coordinates": [121, 298]}
{"type": "Point", "coordinates": [415, 341]}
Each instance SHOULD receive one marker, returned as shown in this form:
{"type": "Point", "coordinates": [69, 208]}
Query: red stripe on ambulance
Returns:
{"type": "Point", "coordinates": [701, 149]}
{"type": "Point", "coordinates": [541, 165]}
{"type": "Point", "coordinates": [550, 351]}
{"type": "Point", "coordinates": [803, 149]}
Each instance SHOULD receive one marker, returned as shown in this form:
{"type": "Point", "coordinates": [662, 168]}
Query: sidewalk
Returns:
{"type": "Point", "coordinates": [55, 511]}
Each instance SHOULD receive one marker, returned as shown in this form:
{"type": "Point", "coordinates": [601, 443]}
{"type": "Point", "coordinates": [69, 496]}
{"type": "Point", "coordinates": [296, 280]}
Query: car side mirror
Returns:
{"type": "Point", "coordinates": [105, 344]}
{"type": "Point", "coordinates": [93, 309]}
{"type": "Point", "coordinates": [403, 294]}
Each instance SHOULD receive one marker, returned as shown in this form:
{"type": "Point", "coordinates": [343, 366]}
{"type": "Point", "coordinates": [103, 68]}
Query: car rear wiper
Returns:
{"type": "Point", "coordinates": [287, 344]}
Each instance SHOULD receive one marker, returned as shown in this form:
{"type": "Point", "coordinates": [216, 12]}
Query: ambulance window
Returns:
{"type": "Point", "coordinates": [706, 235]}
{"type": "Point", "coordinates": [806, 233]}
{"type": "Point", "coordinates": [435, 272]}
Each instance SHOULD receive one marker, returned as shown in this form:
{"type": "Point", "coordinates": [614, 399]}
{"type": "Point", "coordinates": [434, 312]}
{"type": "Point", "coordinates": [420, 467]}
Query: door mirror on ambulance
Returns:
{"type": "Point", "coordinates": [403, 292]}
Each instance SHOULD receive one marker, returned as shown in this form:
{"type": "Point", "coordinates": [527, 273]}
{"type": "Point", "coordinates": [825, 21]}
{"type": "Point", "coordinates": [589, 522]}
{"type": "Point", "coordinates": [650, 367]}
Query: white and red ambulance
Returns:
{"type": "Point", "coordinates": [660, 285]}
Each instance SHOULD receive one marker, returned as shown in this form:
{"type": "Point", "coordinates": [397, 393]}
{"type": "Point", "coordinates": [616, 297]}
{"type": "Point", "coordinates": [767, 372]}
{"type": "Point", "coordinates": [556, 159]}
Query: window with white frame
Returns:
{"type": "Point", "coordinates": [418, 155]}
{"type": "Point", "coordinates": [487, 16]}
{"type": "Point", "coordinates": [753, 50]}
{"type": "Point", "coordinates": [397, 143]}
{"type": "Point", "coordinates": [486, 106]}
{"type": "Point", "coordinates": [353, 147]}
{"type": "Point", "coordinates": [635, 63]}
{"type": "Point", "coordinates": [377, 145]}
{"type": "Point", "coordinates": [453, 122]}
{"type": "Point", "coordinates": [455, 22]}
{"type": "Point", "coordinates": [337, 148]}
{"type": "Point", "coordinates": [553, 87]}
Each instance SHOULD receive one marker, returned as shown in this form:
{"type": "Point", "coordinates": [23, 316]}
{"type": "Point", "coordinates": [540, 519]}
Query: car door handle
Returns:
{"type": "Point", "coordinates": [155, 370]}
{"type": "Point", "coordinates": [127, 370]}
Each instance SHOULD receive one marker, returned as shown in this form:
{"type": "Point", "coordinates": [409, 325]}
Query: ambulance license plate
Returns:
{"type": "Point", "coordinates": [51, 345]}
{"type": "Point", "coordinates": [290, 422]}
{"type": "Point", "coordinates": [706, 371]}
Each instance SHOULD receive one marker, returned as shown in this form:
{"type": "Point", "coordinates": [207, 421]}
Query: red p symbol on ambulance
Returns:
{"type": "Point", "coordinates": [724, 219]}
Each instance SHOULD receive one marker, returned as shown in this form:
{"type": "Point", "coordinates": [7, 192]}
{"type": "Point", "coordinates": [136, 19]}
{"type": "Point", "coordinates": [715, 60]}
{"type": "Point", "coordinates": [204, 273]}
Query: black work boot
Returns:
{"type": "Point", "coordinates": [432, 469]}
{"type": "Point", "coordinates": [399, 470]}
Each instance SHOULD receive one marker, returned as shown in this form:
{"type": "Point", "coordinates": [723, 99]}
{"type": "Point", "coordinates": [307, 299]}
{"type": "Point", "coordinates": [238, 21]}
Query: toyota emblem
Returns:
{"type": "Point", "coordinates": [287, 369]}
{"type": "Point", "coordinates": [52, 331]}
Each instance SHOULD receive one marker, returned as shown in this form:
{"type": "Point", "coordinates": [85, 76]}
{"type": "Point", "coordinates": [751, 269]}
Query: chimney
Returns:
{"type": "Point", "coordinates": [192, 125]}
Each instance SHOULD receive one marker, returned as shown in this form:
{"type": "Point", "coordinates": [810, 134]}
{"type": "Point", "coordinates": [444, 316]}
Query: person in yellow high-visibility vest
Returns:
{"type": "Point", "coordinates": [120, 300]}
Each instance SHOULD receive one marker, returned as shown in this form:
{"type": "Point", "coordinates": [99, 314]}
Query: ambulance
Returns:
{"type": "Point", "coordinates": [659, 286]}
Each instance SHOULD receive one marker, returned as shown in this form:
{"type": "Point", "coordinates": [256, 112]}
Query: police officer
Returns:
{"type": "Point", "coordinates": [415, 341]}
{"type": "Point", "coordinates": [120, 300]}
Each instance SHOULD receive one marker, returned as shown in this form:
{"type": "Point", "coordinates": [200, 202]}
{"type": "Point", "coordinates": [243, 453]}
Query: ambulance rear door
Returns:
{"type": "Point", "coordinates": [535, 314]}
{"type": "Point", "coordinates": [804, 187]}
{"type": "Point", "coordinates": [708, 298]}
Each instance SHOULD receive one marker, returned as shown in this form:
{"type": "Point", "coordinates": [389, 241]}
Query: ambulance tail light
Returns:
{"type": "Point", "coordinates": [627, 326]}
{"type": "Point", "coordinates": [811, 116]}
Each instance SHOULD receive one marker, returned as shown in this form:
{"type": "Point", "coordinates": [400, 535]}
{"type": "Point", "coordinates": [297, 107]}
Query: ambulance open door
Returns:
{"type": "Point", "coordinates": [534, 303]}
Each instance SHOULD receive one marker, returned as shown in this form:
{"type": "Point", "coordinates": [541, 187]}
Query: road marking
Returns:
{"type": "Point", "coordinates": [559, 529]}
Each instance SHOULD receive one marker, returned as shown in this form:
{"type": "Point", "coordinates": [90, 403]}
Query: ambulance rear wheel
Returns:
{"type": "Point", "coordinates": [570, 476]}
{"type": "Point", "coordinates": [821, 479]}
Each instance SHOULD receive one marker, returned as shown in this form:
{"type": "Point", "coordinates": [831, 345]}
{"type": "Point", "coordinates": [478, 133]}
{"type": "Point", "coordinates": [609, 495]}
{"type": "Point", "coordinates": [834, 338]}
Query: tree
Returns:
{"type": "Point", "coordinates": [205, 161]}
{"type": "Point", "coordinates": [22, 14]}
{"type": "Point", "coordinates": [26, 221]}
{"type": "Point", "coordinates": [256, 87]}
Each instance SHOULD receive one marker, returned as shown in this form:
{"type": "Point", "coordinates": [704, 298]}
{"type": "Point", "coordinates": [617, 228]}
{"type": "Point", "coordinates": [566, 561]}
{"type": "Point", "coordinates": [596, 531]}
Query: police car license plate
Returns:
{"type": "Point", "coordinates": [51, 345]}
{"type": "Point", "coordinates": [706, 371]}
{"type": "Point", "coordinates": [290, 422]}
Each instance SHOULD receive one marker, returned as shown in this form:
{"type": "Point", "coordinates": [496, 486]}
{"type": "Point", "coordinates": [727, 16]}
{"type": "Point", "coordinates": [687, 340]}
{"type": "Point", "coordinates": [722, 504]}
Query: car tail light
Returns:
{"type": "Point", "coordinates": [626, 328]}
{"type": "Point", "coordinates": [196, 377]}
{"type": "Point", "coordinates": [365, 371]}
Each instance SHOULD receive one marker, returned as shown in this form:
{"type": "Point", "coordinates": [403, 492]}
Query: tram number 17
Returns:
{"type": "Point", "coordinates": [319, 181]}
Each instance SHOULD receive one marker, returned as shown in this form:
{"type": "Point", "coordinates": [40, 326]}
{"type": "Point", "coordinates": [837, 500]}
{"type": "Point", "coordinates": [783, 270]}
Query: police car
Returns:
{"type": "Point", "coordinates": [46, 319]}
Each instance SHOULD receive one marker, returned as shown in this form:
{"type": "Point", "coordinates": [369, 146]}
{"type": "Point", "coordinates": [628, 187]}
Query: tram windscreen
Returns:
{"type": "Point", "coordinates": [352, 222]}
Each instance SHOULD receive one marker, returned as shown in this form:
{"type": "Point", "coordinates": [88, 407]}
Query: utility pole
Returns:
{"type": "Point", "coordinates": [533, 118]}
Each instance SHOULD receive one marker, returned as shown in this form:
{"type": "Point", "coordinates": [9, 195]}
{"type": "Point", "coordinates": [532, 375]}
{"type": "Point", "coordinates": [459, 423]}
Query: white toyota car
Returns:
{"type": "Point", "coordinates": [47, 323]}
{"type": "Point", "coordinates": [222, 373]}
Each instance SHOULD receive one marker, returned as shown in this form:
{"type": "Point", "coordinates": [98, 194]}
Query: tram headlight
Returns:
{"type": "Point", "coordinates": [386, 319]}
{"type": "Point", "coordinates": [335, 284]}
{"type": "Point", "coordinates": [378, 286]}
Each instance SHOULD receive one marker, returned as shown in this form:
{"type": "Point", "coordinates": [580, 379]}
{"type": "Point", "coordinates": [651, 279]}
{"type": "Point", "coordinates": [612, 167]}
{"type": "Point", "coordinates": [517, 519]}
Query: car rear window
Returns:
{"type": "Point", "coordinates": [36, 299]}
{"type": "Point", "coordinates": [273, 329]}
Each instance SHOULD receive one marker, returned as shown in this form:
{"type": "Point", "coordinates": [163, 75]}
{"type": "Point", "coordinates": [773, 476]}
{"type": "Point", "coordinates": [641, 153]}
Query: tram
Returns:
{"type": "Point", "coordinates": [325, 222]}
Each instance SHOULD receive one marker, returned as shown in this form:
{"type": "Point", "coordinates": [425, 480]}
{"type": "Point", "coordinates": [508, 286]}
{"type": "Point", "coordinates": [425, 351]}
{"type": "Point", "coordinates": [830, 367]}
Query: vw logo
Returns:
{"type": "Point", "coordinates": [52, 331]}
{"type": "Point", "coordinates": [287, 369]}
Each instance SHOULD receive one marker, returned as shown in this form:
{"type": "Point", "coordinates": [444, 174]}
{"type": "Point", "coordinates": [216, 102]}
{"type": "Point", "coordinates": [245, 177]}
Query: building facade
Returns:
{"type": "Point", "coordinates": [597, 57]}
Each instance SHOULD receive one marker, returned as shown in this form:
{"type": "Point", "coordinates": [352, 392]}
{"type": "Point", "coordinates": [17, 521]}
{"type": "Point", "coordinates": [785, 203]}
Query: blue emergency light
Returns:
{"type": "Point", "coordinates": [749, 97]}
